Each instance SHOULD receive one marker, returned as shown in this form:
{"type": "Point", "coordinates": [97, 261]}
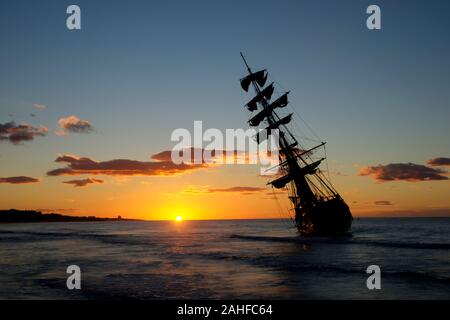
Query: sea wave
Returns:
{"type": "Point", "coordinates": [347, 240]}
{"type": "Point", "coordinates": [26, 236]}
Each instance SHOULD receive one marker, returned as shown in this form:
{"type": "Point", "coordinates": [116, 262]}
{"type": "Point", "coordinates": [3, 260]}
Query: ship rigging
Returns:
{"type": "Point", "coordinates": [319, 209]}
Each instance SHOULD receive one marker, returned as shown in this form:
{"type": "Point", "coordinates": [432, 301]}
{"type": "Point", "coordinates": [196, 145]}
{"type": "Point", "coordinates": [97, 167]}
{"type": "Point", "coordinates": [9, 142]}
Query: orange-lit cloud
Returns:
{"type": "Point", "coordinates": [19, 133]}
{"type": "Point", "coordinates": [439, 161]}
{"type": "Point", "coordinates": [237, 189]}
{"type": "Point", "coordinates": [161, 166]}
{"type": "Point", "coordinates": [82, 165]}
{"type": "Point", "coordinates": [18, 180]}
{"type": "Point", "coordinates": [83, 182]}
{"type": "Point", "coordinates": [382, 203]}
{"type": "Point", "coordinates": [204, 156]}
{"type": "Point", "coordinates": [73, 124]}
{"type": "Point", "coordinates": [403, 172]}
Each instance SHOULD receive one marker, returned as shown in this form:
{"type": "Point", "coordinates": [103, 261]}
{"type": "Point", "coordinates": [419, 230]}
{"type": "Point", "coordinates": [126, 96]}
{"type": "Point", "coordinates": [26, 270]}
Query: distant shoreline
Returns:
{"type": "Point", "coordinates": [34, 216]}
{"type": "Point", "coordinates": [27, 216]}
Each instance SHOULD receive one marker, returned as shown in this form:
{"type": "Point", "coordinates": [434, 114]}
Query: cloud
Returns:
{"type": "Point", "coordinates": [236, 190]}
{"type": "Point", "coordinates": [73, 124]}
{"type": "Point", "coordinates": [83, 182]}
{"type": "Point", "coordinates": [439, 162]}
{"type": "Point", "coordinates": [162, 164]}
{"type": "Point", "coordinates": [205, 156]}
{"type": "Point", "coordinates": [19, 133]}
{"type": "Point", "coordinates": [18, 180]}
{"type": "Point", "coordinates": [119, 167]}
{"type": "Point", "coordinates": [382, 203]}
{"type": "Point", "coordinates": [39, 107]}
{"type": "Point", "coordinates": [403, 172]}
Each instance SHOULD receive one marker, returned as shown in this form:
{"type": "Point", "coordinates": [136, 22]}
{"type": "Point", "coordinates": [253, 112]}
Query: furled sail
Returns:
{"type": "Point", "coordinates": [300, 153]}
{"type": "Point", "coordinates": [256, 120]}
{"type": "Point", "coordinates": [282, 181]}
{"type": "Point", "coordinates": [309, 169]}
{"type": "Point", "coordinates": [265, 93]}
{"type": "Point", "coordinates": [260, 77]}
{"type": "Point", "coordinates": [260, 138]}
{"type": "Point", "coordinates": [281, 102]}
{"type": "Point", "coordinates": [278, 123]}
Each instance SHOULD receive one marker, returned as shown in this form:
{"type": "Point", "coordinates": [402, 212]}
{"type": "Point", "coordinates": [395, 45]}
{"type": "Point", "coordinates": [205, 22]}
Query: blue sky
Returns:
{"type": "Point", "coordinates": [139, 69]}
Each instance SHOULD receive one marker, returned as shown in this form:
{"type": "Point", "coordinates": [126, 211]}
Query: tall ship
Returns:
{"type": "Point", "coordinates": [318, 209]}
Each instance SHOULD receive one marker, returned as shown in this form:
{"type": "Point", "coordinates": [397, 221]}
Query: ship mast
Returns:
{"type": "Point", "coordinates": [302, 195]}
{"type": "Point", "coordinates": [319, 209]}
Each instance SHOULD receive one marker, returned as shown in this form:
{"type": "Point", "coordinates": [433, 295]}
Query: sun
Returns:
{"type": "Point", "coordinates": [178, 218]}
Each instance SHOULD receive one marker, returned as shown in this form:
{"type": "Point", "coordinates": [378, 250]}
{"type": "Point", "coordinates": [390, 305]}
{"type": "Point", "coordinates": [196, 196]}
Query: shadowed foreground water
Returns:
{"type": "Point", "coordinates": [224, 260]}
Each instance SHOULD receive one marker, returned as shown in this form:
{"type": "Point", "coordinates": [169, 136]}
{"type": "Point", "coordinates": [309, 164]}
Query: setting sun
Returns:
{"type": "Point", "coordinates": [179, 218]}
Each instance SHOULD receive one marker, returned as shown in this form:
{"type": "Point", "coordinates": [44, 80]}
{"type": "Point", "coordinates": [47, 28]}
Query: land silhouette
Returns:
{"type": "Point", "coordinates": [18, 216]}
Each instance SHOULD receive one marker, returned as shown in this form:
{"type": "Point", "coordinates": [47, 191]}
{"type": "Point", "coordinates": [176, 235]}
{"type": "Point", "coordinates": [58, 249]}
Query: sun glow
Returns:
{"type": "Point", "coordinates": [178, 218]}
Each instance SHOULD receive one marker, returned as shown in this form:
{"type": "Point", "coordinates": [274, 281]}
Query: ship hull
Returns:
{"type": "Point", "coordinates": [331, 218]}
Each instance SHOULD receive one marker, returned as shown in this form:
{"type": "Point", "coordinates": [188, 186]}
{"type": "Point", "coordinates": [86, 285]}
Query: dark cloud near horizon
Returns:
{"type": "Point", "coordinates": [441, 161]}
{"type": "Point", "coordinates": [206, 156]}
{"type": "Point", "coordinates": [83, 182]}
{"type": "Point", "coordinates": [83, 165]}
{"type": "Point", "coordinates": [162, 164]}
{"type": "Point", "coordinates": [237, 189]}
{"type": "Point", "coordinates": [403, 172]}
{"type": "Point", "coordinates": [243, 190]}
{"type": "Point", "coordinates": [18, 180]}
{"type": "Point", "coordinates": [16, 134]}
{"type": "Point", "coordinates": [382, 203]}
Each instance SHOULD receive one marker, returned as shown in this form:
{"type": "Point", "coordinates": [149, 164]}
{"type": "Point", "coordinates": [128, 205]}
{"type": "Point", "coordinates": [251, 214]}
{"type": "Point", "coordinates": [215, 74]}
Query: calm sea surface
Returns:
{"type": "Point", "coordinates": [224, 260]}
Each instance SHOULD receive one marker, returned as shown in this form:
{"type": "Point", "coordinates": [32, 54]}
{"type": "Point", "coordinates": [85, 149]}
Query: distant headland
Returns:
{"type": "Point", "coordinates": [16, 216]}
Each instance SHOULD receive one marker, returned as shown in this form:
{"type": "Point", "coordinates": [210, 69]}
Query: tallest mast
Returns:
{"type": "Point", "coordinates": [319, 210]}
{"type": "Point", "coordinates": [288, 155]}
{"type": "Point", "coordinates": [246, 64]}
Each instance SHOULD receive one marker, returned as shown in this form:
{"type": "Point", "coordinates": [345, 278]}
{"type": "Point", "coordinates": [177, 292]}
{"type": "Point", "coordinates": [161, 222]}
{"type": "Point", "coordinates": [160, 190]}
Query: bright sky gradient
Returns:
{"type": "Point", "coordinates": [140, 69]}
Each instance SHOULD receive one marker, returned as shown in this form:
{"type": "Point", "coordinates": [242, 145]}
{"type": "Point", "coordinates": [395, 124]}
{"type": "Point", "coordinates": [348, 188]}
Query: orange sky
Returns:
{"type": "Point", "coordinates": [86, 115]}
{"type": "Point", "coordinates": [219, 192]}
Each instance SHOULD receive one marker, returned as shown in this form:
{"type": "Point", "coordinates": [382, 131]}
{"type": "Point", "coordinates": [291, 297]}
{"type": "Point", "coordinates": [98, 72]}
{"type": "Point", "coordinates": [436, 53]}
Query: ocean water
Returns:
{"type": "Point", "coordinates": [249, 259]}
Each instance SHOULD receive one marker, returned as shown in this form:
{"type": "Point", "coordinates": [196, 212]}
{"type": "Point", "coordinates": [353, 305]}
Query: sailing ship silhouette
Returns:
{"type": "Point", "coordinates": [319, 209]}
